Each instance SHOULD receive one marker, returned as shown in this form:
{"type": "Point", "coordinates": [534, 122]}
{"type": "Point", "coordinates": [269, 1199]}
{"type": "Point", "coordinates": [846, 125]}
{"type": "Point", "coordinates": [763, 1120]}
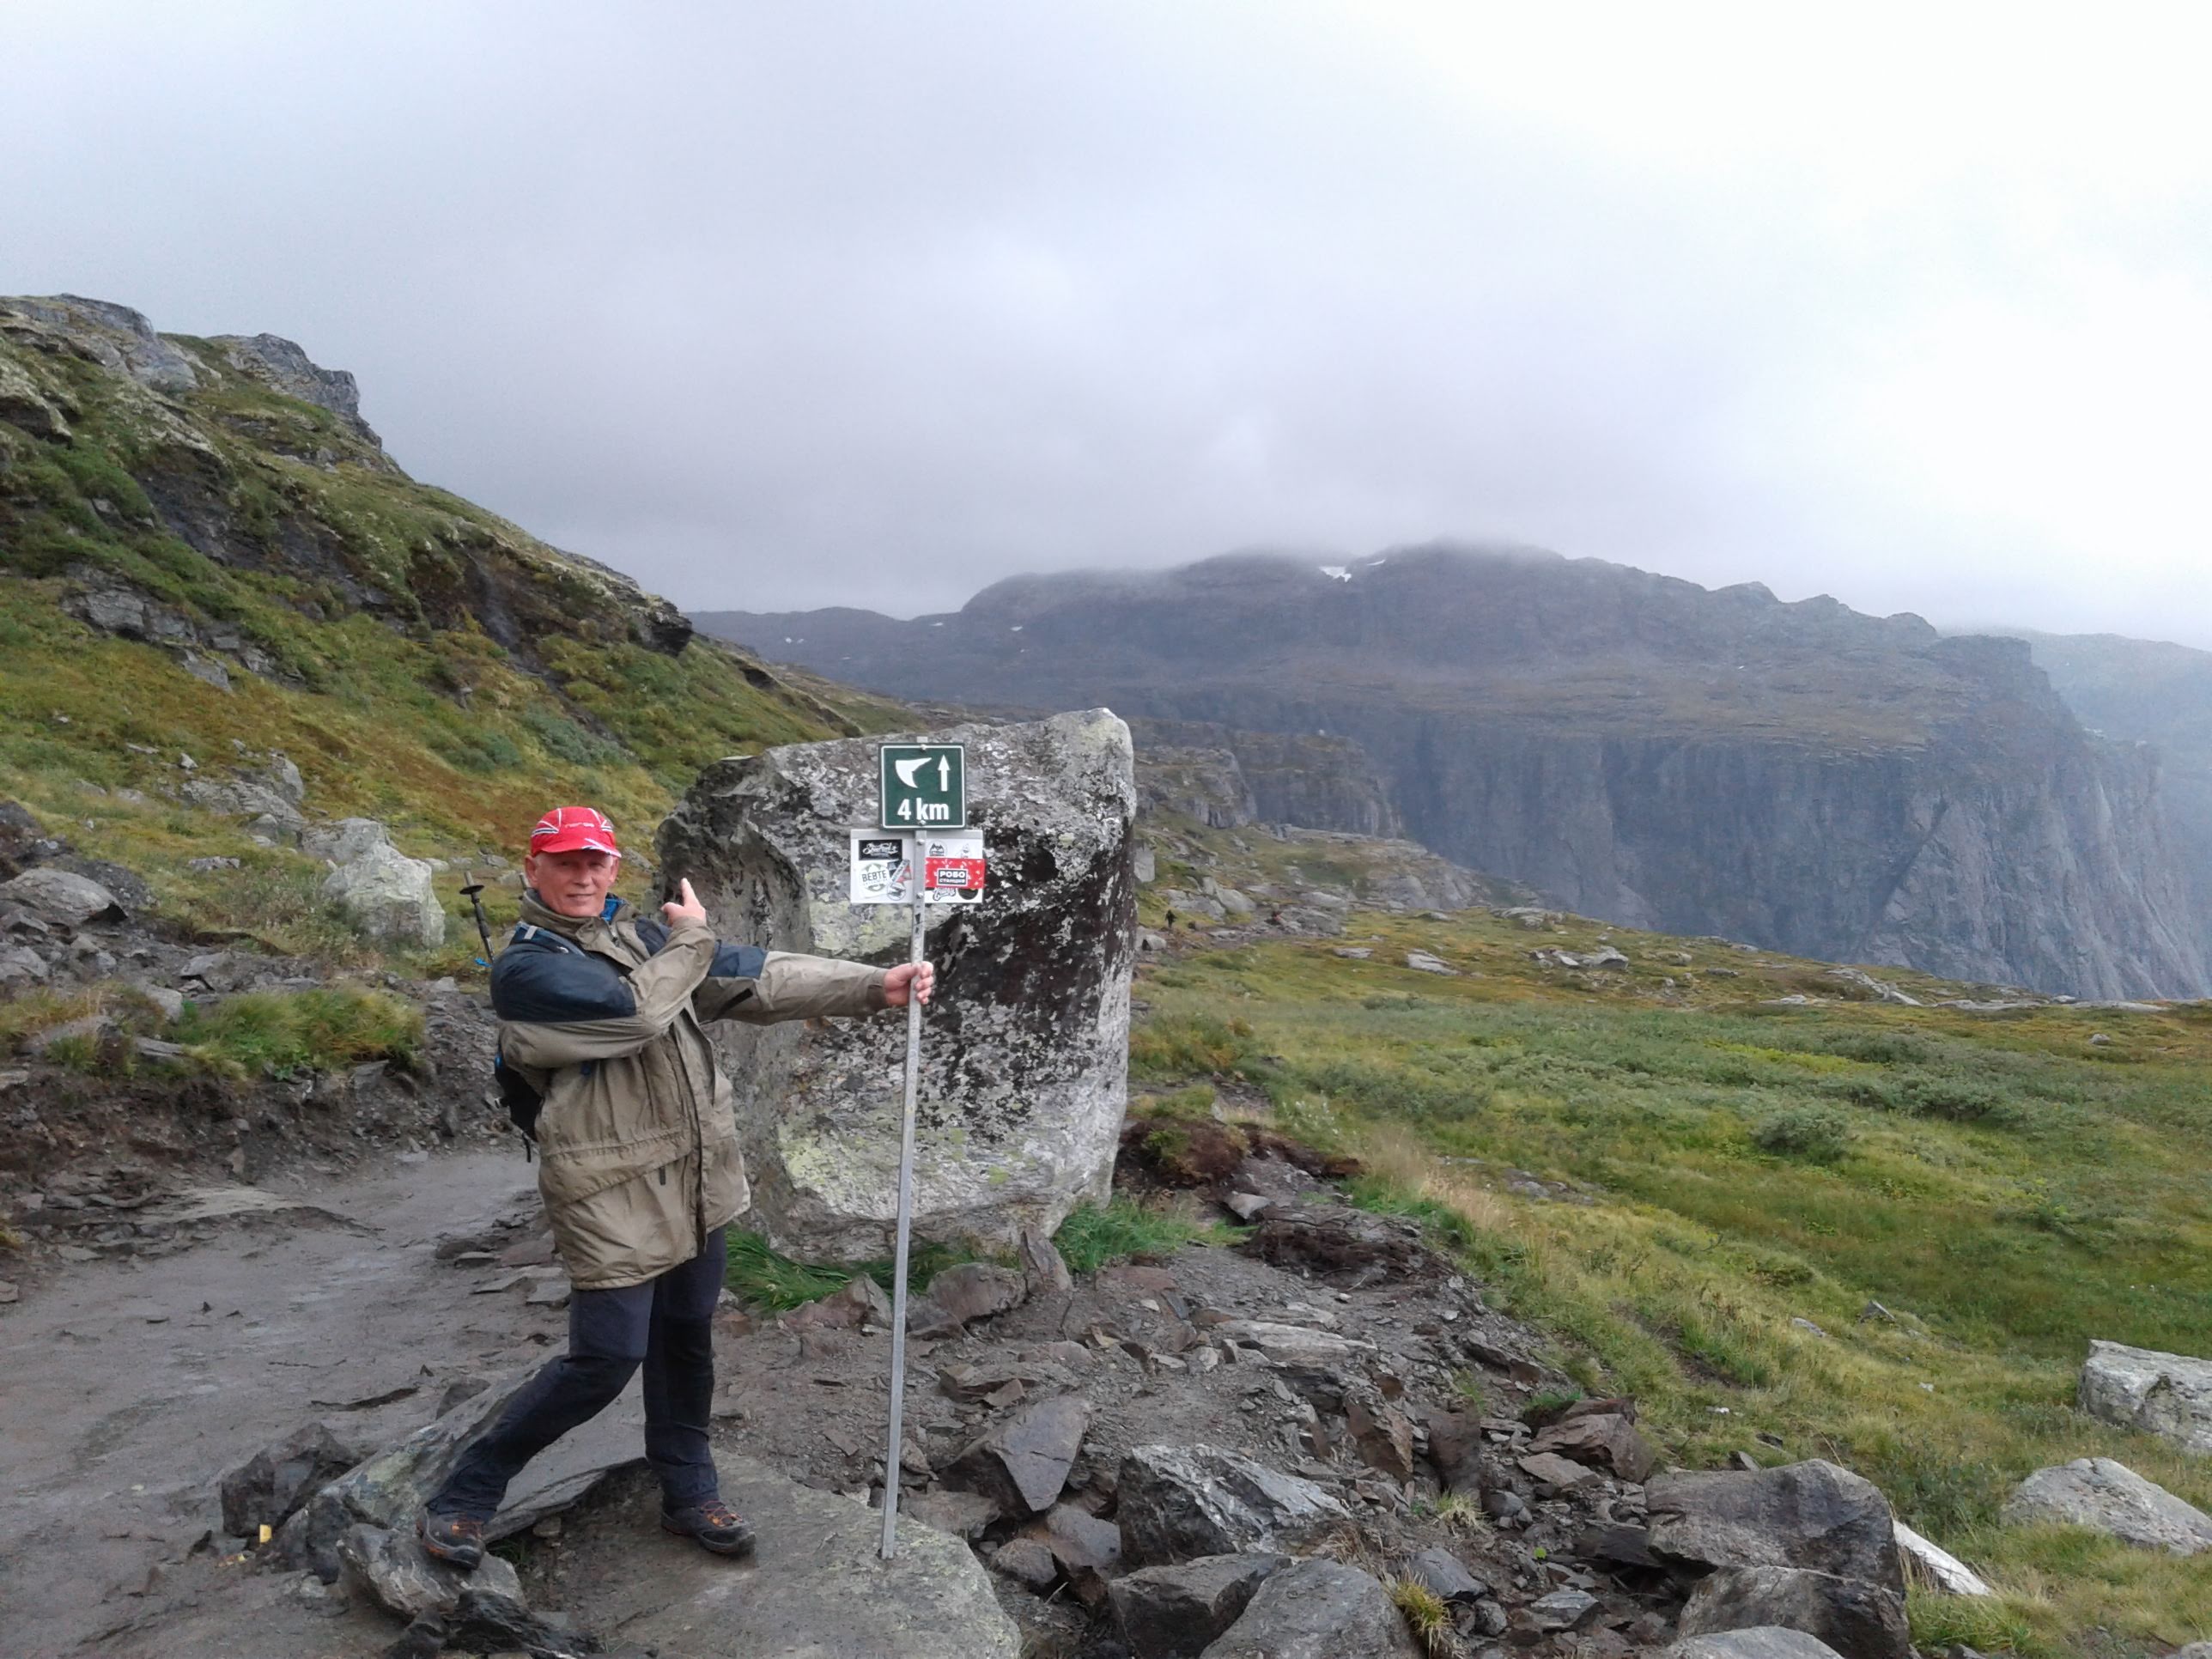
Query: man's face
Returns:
{"type": "Point", "coordinates": [571, 883]}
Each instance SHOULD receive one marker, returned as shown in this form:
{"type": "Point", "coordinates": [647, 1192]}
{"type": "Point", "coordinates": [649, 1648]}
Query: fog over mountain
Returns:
{"type": "Point", "coordinates": [775, 307]}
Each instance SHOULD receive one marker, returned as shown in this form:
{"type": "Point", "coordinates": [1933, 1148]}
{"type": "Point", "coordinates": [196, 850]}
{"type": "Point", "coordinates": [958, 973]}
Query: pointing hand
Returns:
{"type": "Point", "coordinates": [685, 907]}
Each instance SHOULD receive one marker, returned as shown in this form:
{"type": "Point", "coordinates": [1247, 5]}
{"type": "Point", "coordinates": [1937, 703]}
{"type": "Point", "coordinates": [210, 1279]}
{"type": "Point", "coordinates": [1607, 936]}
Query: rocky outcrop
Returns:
{"type": "Point", "coordinates": [1317, 1610]}
{"type": "Point", "coordinates": [196, 450]}
{"type": "Point", "coordinates": [281, 366]}
{"type": "Point", "coordinates": [1815, 780]}
{"type": "Point", "coordinates": [1025, 1078]}
{"type": "Point", "coordinates": [2162, 1394]}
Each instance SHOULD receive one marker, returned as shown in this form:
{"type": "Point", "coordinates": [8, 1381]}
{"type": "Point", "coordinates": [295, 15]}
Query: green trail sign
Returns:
{"type": "Point", "coordinates": [925, 785]}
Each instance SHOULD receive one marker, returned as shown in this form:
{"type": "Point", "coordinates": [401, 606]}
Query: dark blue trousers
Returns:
{"type": "Point", "coordinates": [665, 1324]}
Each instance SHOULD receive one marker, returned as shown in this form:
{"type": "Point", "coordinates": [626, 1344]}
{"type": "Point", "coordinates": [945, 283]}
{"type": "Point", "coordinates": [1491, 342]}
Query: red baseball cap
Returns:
{"type": "Point", "coordinates": [574, 830]}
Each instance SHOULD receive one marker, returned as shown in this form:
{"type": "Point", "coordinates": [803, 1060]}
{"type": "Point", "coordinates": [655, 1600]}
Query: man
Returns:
{"type": "Point", "coordinates": [638, 1163]}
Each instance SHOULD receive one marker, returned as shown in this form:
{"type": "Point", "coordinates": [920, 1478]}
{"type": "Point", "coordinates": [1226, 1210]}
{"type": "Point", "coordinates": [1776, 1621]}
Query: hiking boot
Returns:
{"type": "Point", "coordinates": [712, 1524]}
{"type": "Point", "coordinates": [456, 1539]}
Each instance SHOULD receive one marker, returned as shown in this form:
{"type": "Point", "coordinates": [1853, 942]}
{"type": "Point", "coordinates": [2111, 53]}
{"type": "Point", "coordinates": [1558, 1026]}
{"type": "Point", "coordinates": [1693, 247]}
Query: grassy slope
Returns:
{"type": "Point", "coordinates": [2004, 1185]}
{"type": "Point", "coordinates": [438, 730]}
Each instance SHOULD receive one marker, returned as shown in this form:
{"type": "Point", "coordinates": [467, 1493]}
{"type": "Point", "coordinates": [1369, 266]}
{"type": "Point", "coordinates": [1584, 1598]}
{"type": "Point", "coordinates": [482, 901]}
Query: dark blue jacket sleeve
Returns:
{"type": "Point", "coordinates": [554, 987]}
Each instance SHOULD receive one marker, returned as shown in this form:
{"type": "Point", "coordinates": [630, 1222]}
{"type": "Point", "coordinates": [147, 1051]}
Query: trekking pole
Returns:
{"type": "Point", "coordinates": [916, 864]}
{"type": "Point", "coordinates": [474, 894]}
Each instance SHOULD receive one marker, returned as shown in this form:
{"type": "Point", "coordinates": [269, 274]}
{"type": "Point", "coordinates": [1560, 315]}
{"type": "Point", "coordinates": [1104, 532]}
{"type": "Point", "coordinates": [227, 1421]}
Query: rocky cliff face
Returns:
{"type": "Point", "coordinates": [1645, 750]}
{"type": "Point", "coordinates": [2143, 692]}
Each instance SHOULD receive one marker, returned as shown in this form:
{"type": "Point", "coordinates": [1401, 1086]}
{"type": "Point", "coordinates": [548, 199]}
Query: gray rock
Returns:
{"type": "Point", "coordinates": [1023, 1104]}
{"type": "Point", "coordinates": [1043, 1266]}
{"type": "Point", "coordinates": [91, 1028]}
{"type": "Point", "coordinates": [393, 1567]}
{"type": "Point", "coordinates": [1424, 962]}
{"type": "Point", "coordinates": [818, 1589]}
{"type": "Point", "coordinates": [1027, 1561]}
{"type": "Point", "coordinates": [115, 336]}
{"type": "Point", "coordinates": [1858, 1620]}
{"type": "Point", "coordinates": [1810, 1515]}
{"type": "Point", "coordinates": [1172, 1612]}
{"type": "Point", "coordinates": [344, 841]}
{"type": "Point", "coordinates": [389, 1488]}
{"type": "Point", "coordinates": [1022, 1465]}
{"type": "Point", "coordinates": [974, 1290]}
{"type": "Point", "coordinates": [390, 897]}
{"type": "Point", "coordinates": [963, 1514]}
{"type": "Point", "coordinates": [171, 1003]}
{"type": "Point", "coordinates": [2168, 1394]}
{"type": "Point", "coordinates": [1445, 1576]}
{"type": "Point", "coordinates": [862, 1302]}
{"type": "Point", "coordinates": [20, 965]}
{"type": "Point", "coordinates": [282, 367]}
{"type": "Point", "coordinates": [1563, 1610]}
{"type": "Point", "coordinates": [245, 798]}
{"type": "Point", "coordinates": [1603, 1440]}
{"type": "Point", "coordinates": [61, 897]}
{"type": "Point", "coordinates": [2110, 1498]}
{"type": "Point", "coordinates": [1945, 1570]}
{"type": "Point", "coordinates": [1317, 1610]}
{"type": "Point", "coordinates": [269, 1487]}
{"type": "Point", "coordinates": [1770, 1642]}
{"type": "Point", "coordinates": [1178, 1502]}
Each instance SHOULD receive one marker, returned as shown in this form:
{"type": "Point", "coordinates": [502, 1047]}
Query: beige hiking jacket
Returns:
{"type": "Point", "coordinates": [638, 1143]}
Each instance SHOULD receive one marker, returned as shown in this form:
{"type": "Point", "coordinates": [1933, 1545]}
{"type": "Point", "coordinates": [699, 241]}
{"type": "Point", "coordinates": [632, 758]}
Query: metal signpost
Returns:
{"type": "Point", "coordinates": [924, 786]}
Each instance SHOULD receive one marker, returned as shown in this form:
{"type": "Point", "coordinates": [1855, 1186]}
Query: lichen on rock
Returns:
{"type": "Point", "coordinates": [1025, 1053]}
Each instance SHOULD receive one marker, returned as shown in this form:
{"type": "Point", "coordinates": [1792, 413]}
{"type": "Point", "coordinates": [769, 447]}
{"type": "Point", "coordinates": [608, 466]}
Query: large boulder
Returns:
{"type": "Point", "coordinates": [386, 893]}
{"type": "Point", "coordinates": [1858, 1620]}
{"type": "Point", "coordinates": [1025, 1051]}
{"type": "Point", "coordinates": [2163, 1393]}
{"type": "Point", "coordinates": [1177, 1502]}
{"type": "Point", "coordinates": [1810, 1515]}
{"type": "Point", "coordinates": [2110, 1498]}
{"type": "Point", "coordinates": [1318, 1610]}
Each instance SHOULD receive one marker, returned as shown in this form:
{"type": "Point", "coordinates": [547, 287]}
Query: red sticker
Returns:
{"type": "Point", "coordinates": [965, 874]}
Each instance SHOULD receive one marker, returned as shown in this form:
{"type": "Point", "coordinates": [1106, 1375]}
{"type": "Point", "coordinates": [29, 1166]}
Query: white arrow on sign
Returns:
{"type": "Point", "coordinates": [945, 773]}
{"type": "Point", "coordinates": [910, 770]}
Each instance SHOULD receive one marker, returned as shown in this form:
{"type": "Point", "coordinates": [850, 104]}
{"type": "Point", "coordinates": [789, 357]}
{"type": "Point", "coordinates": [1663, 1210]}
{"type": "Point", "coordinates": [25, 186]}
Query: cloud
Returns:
{"type": "Point", "coordinates": [779, 307]}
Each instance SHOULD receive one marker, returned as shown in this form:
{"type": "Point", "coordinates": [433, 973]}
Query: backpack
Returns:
{"type": "Point", "coordinates": [523, 1102]}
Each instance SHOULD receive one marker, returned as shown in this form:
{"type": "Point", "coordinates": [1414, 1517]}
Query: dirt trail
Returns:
{"type": "Point", "coordinates": [128, 1387]}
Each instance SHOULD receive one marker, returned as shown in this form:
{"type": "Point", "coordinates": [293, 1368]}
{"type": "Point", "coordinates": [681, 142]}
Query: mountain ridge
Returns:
{"type": "Point", "coordinates": [1652, 752]}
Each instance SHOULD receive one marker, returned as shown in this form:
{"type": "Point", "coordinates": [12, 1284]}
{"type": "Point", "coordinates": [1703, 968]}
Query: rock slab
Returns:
{"type": "Point", "coordinates": [818, 1588]}
{"type": "Point", "coordinates": [2162, 1394]}
{"type": "Point", "coordinates": [1023, 1463]}
{"type": "Point", "coordinates": [1173, 1612]}
{"type": "Point", "coordinates": [1770, 1642]}
{"type": "Point", "coordinates": [1812, 1515]}
{"type": "Point", "coordinates": [1858, 1620]}
{"type": "Point", "coordinates": [1027, 1046]}
{"type": "Point", "coordinates": [2110, 1498]}
{"type": "Point", "coordinates": [1317, 1609]}
{"type": "Point", "coordinates": [1179, 1502]}
{"type": "Point", "coordinates": [387, 895]}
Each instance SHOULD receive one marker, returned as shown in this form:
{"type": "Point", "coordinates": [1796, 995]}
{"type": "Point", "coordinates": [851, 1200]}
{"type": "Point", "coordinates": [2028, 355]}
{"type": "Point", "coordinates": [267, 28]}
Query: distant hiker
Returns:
{"type": "Point", "coordinates": [639, 1165]}
{"type": "Point", "coordinates": [1275, 918]}
{"type": "Point", "coordinates": [1170, 922]}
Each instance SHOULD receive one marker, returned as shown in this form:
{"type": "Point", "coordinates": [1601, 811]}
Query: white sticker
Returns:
{"type": "Point", "coordinates": [882, 867]}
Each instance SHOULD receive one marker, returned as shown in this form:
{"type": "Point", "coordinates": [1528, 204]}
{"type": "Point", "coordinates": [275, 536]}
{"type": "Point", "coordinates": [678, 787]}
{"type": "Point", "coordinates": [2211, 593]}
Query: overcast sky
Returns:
{"type": "Point", "coordinates": [779, 305]}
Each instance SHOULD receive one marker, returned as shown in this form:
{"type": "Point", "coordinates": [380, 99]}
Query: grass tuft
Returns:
{"type": "Point", "coordinates": [774, 1282]}
{"type": "Point", "coordinates": [1425, 1614]}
